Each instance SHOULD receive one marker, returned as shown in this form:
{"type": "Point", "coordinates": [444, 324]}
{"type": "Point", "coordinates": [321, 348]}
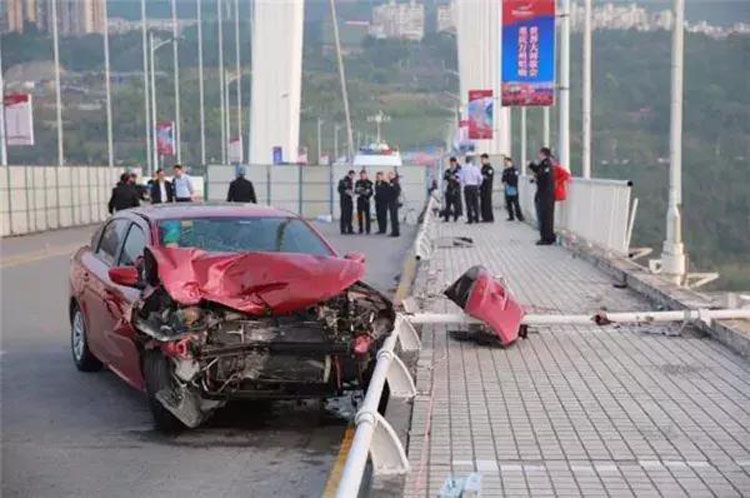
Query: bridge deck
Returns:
{"type": "Point", "coordinates": [574, 409]}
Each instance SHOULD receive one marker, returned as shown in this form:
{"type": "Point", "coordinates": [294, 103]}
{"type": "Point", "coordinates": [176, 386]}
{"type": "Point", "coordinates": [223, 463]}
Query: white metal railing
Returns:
{"type": "Point", "coordinates": [373, 435]}
{"type": "Point", "coordinates": [596, 211]}
{"type": "Point", "coordinates": [424, 243]}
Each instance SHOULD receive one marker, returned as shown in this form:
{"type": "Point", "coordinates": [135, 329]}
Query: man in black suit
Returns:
{"type": "Point", "coordinates": [241, 189]}
{"type": "Point", "coordinates": [124, 195]}
{"type": "Point", "coordinates": [161, 189]}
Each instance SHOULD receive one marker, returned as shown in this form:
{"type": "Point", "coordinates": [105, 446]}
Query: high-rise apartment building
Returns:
{"type": "Point", "coordinates": [446, 20]}
{"type": "Point", "coordinates": [398, 20]}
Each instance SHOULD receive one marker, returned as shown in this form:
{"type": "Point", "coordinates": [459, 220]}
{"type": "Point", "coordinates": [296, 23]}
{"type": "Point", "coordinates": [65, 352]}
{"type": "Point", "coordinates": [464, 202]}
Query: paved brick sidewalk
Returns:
{"type": "Point", "coordinates": [573, 410]}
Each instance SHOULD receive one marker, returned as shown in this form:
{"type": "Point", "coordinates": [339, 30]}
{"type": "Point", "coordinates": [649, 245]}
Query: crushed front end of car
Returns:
{"type": "Point", "coordinates": [256, 325]}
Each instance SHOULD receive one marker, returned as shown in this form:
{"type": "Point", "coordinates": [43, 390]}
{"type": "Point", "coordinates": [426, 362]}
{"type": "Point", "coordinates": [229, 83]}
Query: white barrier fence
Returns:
{"type": "Point", "coordinates": [596, 211]}
{"type": "Point", "coordinates": [38, 198]}
{"type": "Point", "coordinates": [312, 190]}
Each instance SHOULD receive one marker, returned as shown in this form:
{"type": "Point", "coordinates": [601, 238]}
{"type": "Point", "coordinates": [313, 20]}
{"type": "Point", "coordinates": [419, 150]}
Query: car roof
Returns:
{"type": "Point", "coordinates": [182, 210]}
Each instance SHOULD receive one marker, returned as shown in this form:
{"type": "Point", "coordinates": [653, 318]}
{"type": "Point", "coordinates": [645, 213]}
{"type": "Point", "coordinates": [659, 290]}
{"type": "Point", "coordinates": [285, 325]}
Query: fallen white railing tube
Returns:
{"type": "Point", "coordinates": [423, 243]}
{"type": "Point", "coordinates": [601, 317]}
{"type": "Point", "coordinates": [373, 434]}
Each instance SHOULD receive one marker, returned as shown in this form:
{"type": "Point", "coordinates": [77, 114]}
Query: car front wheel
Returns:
{"type": "Point", "coordinates": [83, 358]}
{"type": "Point", "coordinates": [158, 375]}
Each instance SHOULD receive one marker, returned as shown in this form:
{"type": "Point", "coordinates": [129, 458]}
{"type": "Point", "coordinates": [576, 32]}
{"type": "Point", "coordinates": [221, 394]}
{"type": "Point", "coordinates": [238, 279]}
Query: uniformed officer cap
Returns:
{"type": "Point", "coordinates": [351, 172]}
{"type": "Point", "coordinates": [484, 156]}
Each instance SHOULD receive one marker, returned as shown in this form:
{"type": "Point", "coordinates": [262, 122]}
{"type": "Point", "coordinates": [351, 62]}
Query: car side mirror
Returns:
{"type": "Point", "coordinates": [125, 275]}
{"type": "Point", "coordinates": [355, 256]}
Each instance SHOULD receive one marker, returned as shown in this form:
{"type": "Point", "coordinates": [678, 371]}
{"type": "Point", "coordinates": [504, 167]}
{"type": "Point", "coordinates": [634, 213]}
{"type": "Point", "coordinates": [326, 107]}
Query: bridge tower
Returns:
{"type": "Point", "coordinates": [478, 26]}
{"type": "Point", "coordinates": [277, 88]}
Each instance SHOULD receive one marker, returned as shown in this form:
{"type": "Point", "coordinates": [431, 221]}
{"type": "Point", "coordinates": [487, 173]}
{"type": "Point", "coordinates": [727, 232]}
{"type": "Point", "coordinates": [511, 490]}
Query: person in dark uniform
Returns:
{"type": "Point", "coordinates": [241, 189]}
{"type": "Point", "coordinates": [545, 196]}
{"type": "Point", "coordinates": [124, 195]}
{"type": "Point", "coordinates": [363, 189]}
{"type": "Point", "coordinates": [510, 181]}
{"type": "Point", "coordinates": [346, 193]}
{"type": "Point", "coordinates": [394, 195]}
{"type": "Point", "coordinates": [381, 202]}
{"type": "Point", "coordinates": [452, 191]}
{"type": "Point", "coordinates": [161, 188]}
{"type": "Point", "coordinates": [485, 191]}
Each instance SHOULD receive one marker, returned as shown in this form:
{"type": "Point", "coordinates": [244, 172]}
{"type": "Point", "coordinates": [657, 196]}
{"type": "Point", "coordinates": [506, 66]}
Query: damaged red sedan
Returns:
{"type": "Point", "coordinates": [201, 304]}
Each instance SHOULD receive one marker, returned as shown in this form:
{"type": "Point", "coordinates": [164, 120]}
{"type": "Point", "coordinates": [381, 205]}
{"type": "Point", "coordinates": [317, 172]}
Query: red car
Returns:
{"type": "Point", "coordinates": [201, 304]}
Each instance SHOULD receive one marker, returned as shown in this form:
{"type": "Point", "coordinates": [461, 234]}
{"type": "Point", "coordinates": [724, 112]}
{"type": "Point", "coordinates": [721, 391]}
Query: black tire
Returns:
{"type": "Point", "coordinates": [83, 358]}
{"type": "Point", "coordinates": [158, 375]}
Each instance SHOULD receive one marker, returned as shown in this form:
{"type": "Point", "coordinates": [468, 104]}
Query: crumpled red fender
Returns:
{"type": "Point", "coordinates": [255, 283]}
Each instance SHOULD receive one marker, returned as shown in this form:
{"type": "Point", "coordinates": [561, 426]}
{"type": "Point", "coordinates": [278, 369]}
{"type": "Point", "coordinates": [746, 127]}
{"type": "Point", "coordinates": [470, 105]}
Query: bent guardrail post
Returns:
{"type": "Point", "coordinates": [374, 436]}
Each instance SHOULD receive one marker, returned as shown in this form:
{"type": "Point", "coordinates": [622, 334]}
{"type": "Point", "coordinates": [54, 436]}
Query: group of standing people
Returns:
{"type": "Point", "coordinates": [387, 192]}
{"type": "Point", "coordinates": [128, 194]}
{"type": "Point", "coordinates": [476, 186]}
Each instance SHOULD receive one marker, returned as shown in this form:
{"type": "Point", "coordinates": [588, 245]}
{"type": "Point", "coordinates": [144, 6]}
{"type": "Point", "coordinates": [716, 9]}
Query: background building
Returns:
{"type": "Point", "coordinates": [446, 18]}
{"type": "Point", "coordinates": [398, 20]}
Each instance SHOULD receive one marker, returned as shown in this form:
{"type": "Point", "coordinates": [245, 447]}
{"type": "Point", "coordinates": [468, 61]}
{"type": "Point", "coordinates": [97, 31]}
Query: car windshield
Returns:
{"type": "Point", "coordinates": [242, 234]}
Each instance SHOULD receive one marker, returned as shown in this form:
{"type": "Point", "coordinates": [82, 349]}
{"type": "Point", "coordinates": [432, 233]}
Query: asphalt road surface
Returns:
{"type": "Point", "coordinates": [68, 433]}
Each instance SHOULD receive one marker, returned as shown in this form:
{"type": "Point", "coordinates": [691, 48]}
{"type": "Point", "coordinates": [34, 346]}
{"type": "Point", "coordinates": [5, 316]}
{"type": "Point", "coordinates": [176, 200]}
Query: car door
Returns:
{"type": "Point", "coordinates": [95, 277]}
{"type": "Point", "coordinates": [119, 299]}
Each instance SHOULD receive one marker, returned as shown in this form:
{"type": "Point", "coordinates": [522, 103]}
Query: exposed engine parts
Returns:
{"type": "Point", "coordinates": [217, 353]}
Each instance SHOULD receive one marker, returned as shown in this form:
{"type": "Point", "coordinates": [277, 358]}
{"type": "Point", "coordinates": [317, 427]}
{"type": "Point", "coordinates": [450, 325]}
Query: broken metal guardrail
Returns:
{"type": "Point", "coordinates": [373, 435]}
{"type": "Point", "coordinates": [425, 241]}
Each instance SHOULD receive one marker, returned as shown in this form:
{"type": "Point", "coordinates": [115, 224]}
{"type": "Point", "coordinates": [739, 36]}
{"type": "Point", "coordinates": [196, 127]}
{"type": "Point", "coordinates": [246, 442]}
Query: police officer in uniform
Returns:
{"type": "Point", "coordinates": [381, 202]}
{"type": "Point", "coordinates": [363, 189]}
{"type": "Point", "coordinates": [545, 196]}
{"type": "Point", "coordinates": [485, 191]}
{"type": "Point", "coordinates": [394, 194]}
{"type": "Point", "coordinates": [241, 189]}
{"type": "Point", "coordinates": [346, 193]}
{"type": "Point", "coordinates": [452, 191]}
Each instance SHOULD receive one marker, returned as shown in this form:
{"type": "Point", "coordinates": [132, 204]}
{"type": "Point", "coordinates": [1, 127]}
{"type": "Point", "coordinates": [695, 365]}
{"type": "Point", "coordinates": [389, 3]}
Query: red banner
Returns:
{"type": "Point", "coordinates": [19, 119]}
{"type": "Point", "coordinates": [480, 114]}
{"type": "Point", "coordinates": [165, 144]}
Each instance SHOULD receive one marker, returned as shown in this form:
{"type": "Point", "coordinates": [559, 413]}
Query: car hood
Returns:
{"type": "Point", "coordinates": [256, 283]}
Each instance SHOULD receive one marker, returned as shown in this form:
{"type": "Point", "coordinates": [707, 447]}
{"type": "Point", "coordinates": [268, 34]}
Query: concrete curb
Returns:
{"type": "Point", "coordinates": [730, 333]}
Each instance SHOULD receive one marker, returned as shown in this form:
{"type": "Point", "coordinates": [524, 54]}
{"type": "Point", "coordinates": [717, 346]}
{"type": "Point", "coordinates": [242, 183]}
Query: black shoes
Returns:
{"type": "Point", "coordinates": [545, 242]}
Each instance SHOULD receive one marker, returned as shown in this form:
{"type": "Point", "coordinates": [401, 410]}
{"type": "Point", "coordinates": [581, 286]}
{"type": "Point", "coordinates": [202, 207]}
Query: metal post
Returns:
{"type": "Point", "coordinates": [3, 138]}
{"type": "Point", "coordinates": [224, 130]}
{"type": "Point", "coordinates": [239, 71]}
{"type": "Point", "coordinates": [199, 9]}
{"type": "Point", "coordinates": [152, 55]}
{"type": "Point", "coordinates": [146, 93]}
{"type": "Point", "coordinates": [586, 132]}
{"type": "Point", "coordinates": [176, 56]}
{"type": "Point", "coordinates": [58, 98]}
{"type": "Point", "coordinates": [320, 154]}
{"type": "Point", "coordinates": [336, 143]}
{"type": "Point", "coordinates": [228, 122]}
{"type": "Point", "coordinates": [523, 140]}
{"type": "Point", "coordinates": [564, 117]}
{"type": "Point", "coordinates": [673, 255]}
{"type": "Point", "coordinates": [342, 77]}
{"type": "Point", "coordinates": [108, 91]}
{"type": "Point", "coordinates": [545, 127]}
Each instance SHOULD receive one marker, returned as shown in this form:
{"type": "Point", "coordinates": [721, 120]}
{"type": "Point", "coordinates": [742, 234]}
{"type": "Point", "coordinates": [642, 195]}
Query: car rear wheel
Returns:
{"type": "Point", "coordinates": [83, 358]}
{"type": "Point", "coordinates": [158, 375]}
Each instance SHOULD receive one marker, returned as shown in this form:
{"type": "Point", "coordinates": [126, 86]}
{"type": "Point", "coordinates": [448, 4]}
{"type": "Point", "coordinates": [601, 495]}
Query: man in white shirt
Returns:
{"type": "Point", "coordinates": [471, 178]}
{"type": "Point", "coordinates": [183, 187]}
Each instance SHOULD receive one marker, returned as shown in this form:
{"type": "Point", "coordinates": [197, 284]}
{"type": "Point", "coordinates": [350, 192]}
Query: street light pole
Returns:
{"type": "Point", "coordinates": [673, 254]}
{"type": "Point", "coordinates": [239, 72]}
{"type": "Point", "coordinates": [336, 143]}
{"type": "Point", "coordinates": [523, 140]}
{"type": "Point", "coordinates": [155, 159]}
{"type": "Point", "coordinates": [146, 93]}
{"type": "Point", "coordinates": [201, 97]}
{"type": "Point", "coordinates": [58, 98]}
{"type": "Point", "coordinates": [586, 132]}
{"type": "Point", "coordinates": [108, 90]}
{"type": "Point", "coordinates": [564, 117]}
{"type": "Point", "coordinates": [545, 127]}
{"type": "Point", "coordinates": [320, 144]}
{"type": "Point", "coordinates": [224, 130]}
{"type": "Point", "coordinates": [3, 138]}
{"type": "Point", "coordinates": [175, 56]}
